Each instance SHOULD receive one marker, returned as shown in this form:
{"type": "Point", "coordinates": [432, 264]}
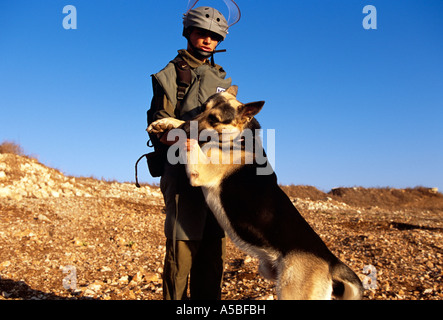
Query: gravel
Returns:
{"type": "Point", "coordinates": [66, 237]}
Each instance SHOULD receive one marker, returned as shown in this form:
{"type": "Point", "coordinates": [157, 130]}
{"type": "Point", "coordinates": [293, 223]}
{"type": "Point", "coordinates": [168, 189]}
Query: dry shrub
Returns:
{"type": "Point", "coordinates": [11, 147]}
{"type": "Point", "coordinates": [14, 154]}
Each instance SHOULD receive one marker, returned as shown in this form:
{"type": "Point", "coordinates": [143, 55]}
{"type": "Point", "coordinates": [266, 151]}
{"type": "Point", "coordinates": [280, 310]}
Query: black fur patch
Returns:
{"type": "Point", "coordinates": [263, 215]}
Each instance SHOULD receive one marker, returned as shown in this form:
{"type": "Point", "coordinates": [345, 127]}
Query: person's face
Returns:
{"type": "Point", "coordinates": [203, 39]}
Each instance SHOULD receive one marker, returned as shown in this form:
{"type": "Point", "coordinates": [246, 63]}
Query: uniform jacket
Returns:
{"type": "Point", "coordinates": [194, 220]}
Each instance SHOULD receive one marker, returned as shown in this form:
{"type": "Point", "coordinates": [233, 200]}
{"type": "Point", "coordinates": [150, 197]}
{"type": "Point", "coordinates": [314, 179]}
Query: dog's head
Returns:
{"type": "Point", "coordinates": [226, 138]}
{"type": "Point", "coordinates": [222, 112]}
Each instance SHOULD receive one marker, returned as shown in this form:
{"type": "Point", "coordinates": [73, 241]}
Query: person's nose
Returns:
{"type": "Point", "coordinates": [207, 40]}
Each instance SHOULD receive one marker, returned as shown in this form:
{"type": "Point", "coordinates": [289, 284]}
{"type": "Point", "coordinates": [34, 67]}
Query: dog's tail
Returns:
{"type": "Point", "coordinates": [346, 284]}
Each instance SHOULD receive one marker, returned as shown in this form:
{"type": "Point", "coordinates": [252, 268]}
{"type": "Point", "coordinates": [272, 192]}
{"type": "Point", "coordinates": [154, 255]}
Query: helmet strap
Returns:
{"type": "Point", "coordinates": [212, 55]}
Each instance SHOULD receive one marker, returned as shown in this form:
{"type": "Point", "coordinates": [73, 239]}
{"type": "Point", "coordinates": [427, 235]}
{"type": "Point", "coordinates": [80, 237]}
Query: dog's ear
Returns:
{"type": "Point", "coordinates": [233, 90]}
{"type": "Point", "coordinates": [249, 110]}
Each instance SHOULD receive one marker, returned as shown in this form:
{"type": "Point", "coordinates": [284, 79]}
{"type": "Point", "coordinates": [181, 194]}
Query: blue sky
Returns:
{"type": "Point", "coordinates": [350, 106]}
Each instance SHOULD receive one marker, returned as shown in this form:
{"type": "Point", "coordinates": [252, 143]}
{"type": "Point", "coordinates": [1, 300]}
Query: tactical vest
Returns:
{"type": "Point", "coordinates": [187, 89]}
{"type": "Point", "coordinates": [205, 80]}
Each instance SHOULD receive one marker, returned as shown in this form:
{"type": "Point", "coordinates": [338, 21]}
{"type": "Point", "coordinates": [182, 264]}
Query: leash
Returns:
{"type": "Point", "coordinates": [136, 173]}
{"type": "Point", "coordinates": [174, 248]}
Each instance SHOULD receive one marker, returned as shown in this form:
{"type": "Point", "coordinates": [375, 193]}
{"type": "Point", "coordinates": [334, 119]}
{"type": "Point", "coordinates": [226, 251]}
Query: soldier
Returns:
{"type": "Point", "coordinates": [195, 243]}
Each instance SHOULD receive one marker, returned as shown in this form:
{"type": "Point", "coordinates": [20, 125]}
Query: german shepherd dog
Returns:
{"type": "Point", "coordinates": [253, 210]}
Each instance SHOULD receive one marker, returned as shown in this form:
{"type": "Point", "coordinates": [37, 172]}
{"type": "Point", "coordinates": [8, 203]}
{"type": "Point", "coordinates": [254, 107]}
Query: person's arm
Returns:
{"type": "Point", "coordinates": [161, 108]}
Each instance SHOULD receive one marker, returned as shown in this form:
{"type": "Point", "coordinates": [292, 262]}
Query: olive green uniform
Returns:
{"type": "Point", "coordinates": [195, 241]}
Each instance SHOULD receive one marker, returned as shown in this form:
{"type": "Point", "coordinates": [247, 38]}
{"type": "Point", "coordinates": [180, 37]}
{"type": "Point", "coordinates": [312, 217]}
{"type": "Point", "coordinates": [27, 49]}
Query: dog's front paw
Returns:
{"type": "Point", "coordinates": [164, 124]}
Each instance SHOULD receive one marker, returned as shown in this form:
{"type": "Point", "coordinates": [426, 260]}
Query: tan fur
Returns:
{"type": "Point", "coordinates": [303, 276]}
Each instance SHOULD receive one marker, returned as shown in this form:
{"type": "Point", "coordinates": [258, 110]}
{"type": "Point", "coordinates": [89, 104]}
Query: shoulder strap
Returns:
{"type": "Point", "coordinates": [184, 78]}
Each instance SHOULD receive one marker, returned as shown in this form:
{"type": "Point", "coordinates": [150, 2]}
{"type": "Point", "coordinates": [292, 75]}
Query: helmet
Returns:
{"type": "Point", "coordinates": [205, 18]}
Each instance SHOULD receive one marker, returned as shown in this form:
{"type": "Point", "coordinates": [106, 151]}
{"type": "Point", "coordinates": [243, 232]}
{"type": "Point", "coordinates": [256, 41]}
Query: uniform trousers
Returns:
{"type": "Point", "coordinates": [202, 261]}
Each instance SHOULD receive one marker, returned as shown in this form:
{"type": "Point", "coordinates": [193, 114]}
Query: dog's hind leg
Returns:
{"type": "Point", "coordinates": [347, 285]}
{"type": "Point", "coordinates": [303, 276]}
{"type": "Point", "coordinates": [267, 270]}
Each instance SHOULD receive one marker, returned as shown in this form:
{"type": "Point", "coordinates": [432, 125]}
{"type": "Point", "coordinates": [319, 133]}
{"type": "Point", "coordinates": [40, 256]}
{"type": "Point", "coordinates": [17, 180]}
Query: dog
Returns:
{"type": "Point", "coordinates": [253, 210]}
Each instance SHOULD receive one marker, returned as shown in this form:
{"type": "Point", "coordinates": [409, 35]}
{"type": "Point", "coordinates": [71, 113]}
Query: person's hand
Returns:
{"type": "Point", "coordinates": [191, 143]}
{"type": "Point", "coordinates": [163, 137]}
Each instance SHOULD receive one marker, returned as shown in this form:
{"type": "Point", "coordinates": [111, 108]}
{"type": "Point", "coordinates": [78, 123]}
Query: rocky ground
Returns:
{"type": "Point", "coordinates": [80, 238]}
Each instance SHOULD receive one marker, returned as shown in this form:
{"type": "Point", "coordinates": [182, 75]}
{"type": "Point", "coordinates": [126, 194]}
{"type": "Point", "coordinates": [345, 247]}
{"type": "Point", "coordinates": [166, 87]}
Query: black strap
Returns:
{"type": "Point", "coordinates": [136, 173]}
{"type": "Point", "coordinates": [184, 78]}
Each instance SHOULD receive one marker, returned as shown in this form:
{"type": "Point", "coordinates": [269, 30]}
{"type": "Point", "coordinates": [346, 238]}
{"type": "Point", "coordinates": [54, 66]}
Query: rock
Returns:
{"type": "Point", "coordinates": [151, 277]}
{"type": "Point", "coordinates": [95, 286]}
{"type": "Point", "coordinates": [429, 264]}
{"type": "Point", "coordinates": [43, 218]}
{"type": "Point", "coordinates": [123, 280]}
{"type": "Point", "coordinates": [428, 291]}
{"type": "Point", "coordinates": [105, 269]}
{"type": "Point", "coordinates": [5, 264]}
{"type": "Point", "coordinates": [89, 293]}
{"type": "Point", "coordinates": [5, 192]}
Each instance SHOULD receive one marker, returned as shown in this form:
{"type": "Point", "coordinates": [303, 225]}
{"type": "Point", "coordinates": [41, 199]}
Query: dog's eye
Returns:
{"type": "Point", "coordinates": [213, 119]}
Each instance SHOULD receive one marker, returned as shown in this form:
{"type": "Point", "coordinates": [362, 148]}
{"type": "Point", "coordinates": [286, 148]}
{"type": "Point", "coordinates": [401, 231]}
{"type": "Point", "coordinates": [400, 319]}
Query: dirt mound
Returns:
{"type": "Point", "coordinates": [304, 192]}
{"type": "Point", "coordinates": [25, 177]}
{"type": "Point", "coordinates": [390, 198]}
